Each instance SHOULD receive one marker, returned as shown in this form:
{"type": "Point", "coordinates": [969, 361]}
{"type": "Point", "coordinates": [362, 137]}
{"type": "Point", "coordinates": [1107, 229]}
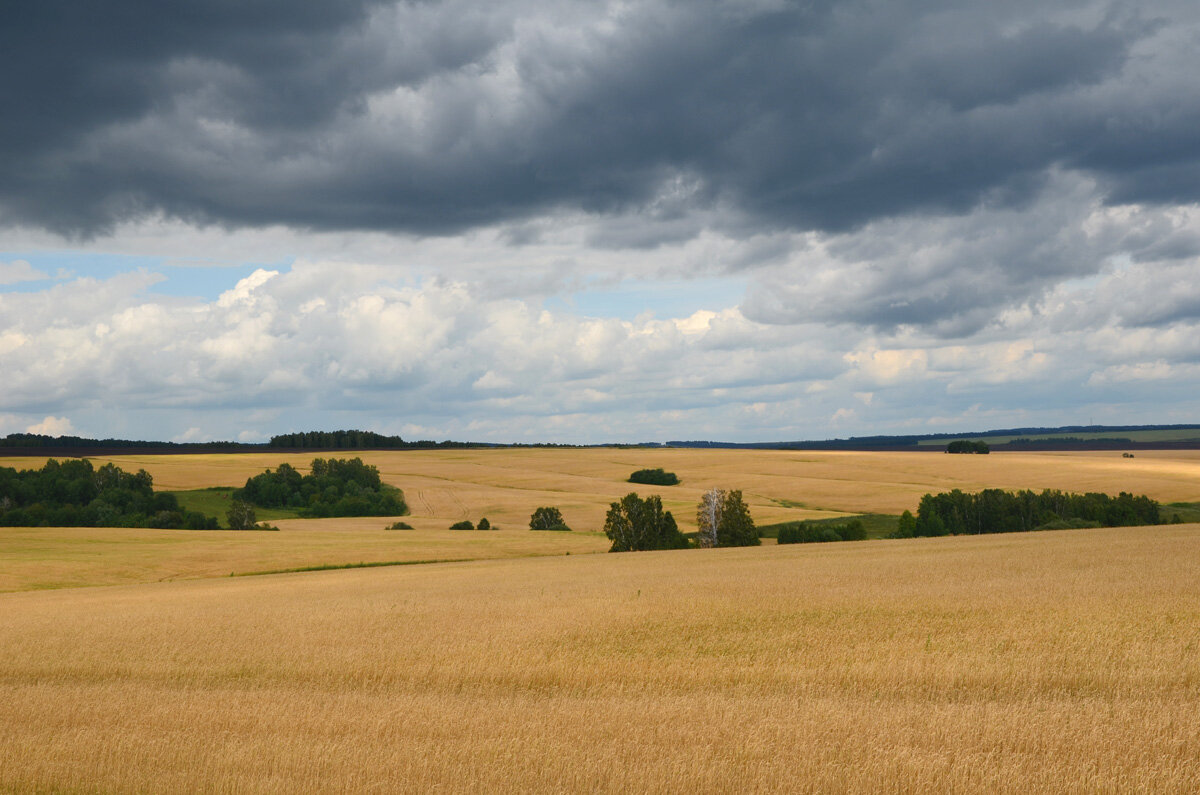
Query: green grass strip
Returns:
{"type": "Point", "coordinates": [333, 566]}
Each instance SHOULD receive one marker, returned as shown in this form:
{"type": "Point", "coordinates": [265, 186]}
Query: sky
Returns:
{"type": "Point", "coordinates": [587, 222]}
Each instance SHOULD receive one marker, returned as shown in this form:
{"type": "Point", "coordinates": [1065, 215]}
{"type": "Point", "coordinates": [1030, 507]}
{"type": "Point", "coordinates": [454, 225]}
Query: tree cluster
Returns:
{"type": "Point", "coordinates": [654, 477]}
{"type": "Point", "coordinates": [818, 532]}
{"type": "Point", "coordinates": [998, 511]}
{"type": "Point", "coordinates": [634, 524]}
{"type": "Point", "coordinates": [547, 518]}
{"type": "Point", "coordinates": [724, 520]}
{"type": "Point", "coordinates": [75, 494]}
{"type": "Point", "coordinates": [355, 440]}
{"type": "Point", "coordinates": [331, 440]}
{"type": "Point", "coordinates": [241, 516]}
{"type": "Point", "coordinates": [968, 446]}
{"type": "Point", "coordinates": [334, 487]}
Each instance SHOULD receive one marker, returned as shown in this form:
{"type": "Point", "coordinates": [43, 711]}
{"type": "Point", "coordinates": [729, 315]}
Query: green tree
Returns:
{"type": "Point", "coordinates": [241, 516]}
{"type": "Point", "coordinates": [634, 524]}
{"type": "Point", "coordinates": [547, 519]}
{"type": "Point", "coordinates": [907, 526]}
{"type": "Point", "coordinates": [708, 516]}
{"type": "Point", "coordinates": [736, 528]}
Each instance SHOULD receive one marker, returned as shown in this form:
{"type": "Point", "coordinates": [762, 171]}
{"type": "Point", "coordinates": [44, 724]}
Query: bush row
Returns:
{"type": "Point", "coordinates": [818, 532]}
{"type": "Point", "coordinates": [998, 511]}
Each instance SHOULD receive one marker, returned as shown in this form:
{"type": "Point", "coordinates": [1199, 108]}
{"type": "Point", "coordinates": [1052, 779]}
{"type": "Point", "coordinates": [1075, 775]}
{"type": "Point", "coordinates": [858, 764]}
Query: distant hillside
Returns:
{"type": "Point", "coordinates": [1068, 437]}
{"type": "Point", "coordinates": [59, 445]}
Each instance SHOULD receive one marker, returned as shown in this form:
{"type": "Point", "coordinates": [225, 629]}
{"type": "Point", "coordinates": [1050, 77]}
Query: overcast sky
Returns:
{"type": "Point", "coordinates": [597, 221]}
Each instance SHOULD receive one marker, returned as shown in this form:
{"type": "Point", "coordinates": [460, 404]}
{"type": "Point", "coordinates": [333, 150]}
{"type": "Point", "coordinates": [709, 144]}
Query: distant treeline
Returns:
{"type": "Point", "coordinates": [75, 494]}
{"type": "Point", "coordinates": [37, 441]}
{"type": "Point", "coordinates": [311, 440]}
{"type": "Point", "coordinates": [334, 487]}
{"type": "Point", "coordinates": [329, 440]}
{"type": "Point", "coordinates": [356, 440]}
{"type": "Point", "coordinates": [853, 443]}
{"type": "Point", "coordinates": [1112, 441]}
{"type": "Point", "coordinates": [1025, 437]}
{"type": "Point", "coordinates": [998, 511]}
{"type": "Point", "coordinates": [968, 446]}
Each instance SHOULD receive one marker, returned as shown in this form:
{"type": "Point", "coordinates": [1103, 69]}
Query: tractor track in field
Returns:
{"type": "Point", "coordinates": [428, 505]}
{"type": "Point", "coordinates": [423, 501]}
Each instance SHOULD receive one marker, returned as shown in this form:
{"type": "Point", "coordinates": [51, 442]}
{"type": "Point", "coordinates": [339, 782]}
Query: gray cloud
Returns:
{"type": "Point", "coordinates": [433, 117]}
{"type": "Point", "coordinates": [942, 215]}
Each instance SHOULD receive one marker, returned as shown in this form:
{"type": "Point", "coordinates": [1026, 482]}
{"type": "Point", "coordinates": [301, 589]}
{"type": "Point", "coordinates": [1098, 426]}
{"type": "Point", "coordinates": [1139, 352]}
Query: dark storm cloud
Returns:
{"type": "Point", "coordinates": [439, 116]}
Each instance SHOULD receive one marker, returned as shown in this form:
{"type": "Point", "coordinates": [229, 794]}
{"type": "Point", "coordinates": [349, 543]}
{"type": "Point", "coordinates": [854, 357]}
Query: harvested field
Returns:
{"type": "Point", "coordinates": [1053, 662]}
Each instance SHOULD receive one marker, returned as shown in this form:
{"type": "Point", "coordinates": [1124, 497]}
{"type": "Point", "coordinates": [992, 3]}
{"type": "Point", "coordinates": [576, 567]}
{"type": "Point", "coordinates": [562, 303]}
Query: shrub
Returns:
{"type": "Point", "coordinates": [399, 526]}
{"type": "Point", "coordinates": [484, 524]}
{"type": "Point", "coordinates": [547, 519]}
{"type": "Point", "coordinates": [463, 525]}
{"type": "Point", "coordinates": [654, 477]}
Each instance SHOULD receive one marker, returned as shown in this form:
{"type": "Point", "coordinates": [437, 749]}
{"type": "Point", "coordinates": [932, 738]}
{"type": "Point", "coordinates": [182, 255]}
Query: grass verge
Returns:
{"type": "Point", "coordinates": [215, 501]}
{"type": "Point", "coordinates": [878, 525]}
{"type": "Point", "coordinates": [373, 564]}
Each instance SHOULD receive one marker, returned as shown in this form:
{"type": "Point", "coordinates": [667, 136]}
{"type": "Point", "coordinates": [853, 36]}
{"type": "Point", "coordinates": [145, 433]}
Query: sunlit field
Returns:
{"type": "Point", "coordinates": [1055, 661]}
{"type": "Point", "coordinates": [44, 557]}
{"type": "Point", "coordinates": [507, 484]}
{"type": "Point", "coordinates": [443, 487]}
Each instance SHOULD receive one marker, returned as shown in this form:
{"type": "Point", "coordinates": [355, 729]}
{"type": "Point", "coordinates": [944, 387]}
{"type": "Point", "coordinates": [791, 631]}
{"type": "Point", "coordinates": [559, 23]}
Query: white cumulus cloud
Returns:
{"type": "Point", "coordinates": [52, 426]}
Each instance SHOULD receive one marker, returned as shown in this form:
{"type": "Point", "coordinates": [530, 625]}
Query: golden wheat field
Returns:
{"type": "Point", "coordinates": [1058, 661]}
{"type": "Point", "coordinates": [34, 558]}
{"type": "Point", "coordinates": [1047, 662]}
{"type": "Point", "coordinates": [506, 485]}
